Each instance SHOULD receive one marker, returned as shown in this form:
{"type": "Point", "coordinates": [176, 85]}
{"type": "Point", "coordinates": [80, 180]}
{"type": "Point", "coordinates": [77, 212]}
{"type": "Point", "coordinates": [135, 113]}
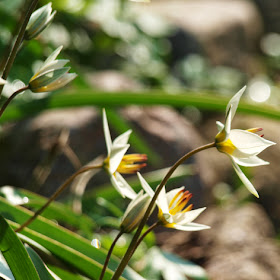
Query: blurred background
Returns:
{"type": "Point", "coordinates": [193, 48]}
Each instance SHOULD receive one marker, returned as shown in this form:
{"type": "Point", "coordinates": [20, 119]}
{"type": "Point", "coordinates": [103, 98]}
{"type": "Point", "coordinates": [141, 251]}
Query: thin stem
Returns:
{"type": "Point", "coordinates": [56, 194]}
{"type": "Point", "coordinates": [109, 255]}
{"type": "Point", "coordinates": [11, 98]}
{"type": "Point", "coordinates": [152, 227]}
{"type": "Point", "coordinates": [133, 242]}
{"type": "Point", "coordinates": [23, 22]}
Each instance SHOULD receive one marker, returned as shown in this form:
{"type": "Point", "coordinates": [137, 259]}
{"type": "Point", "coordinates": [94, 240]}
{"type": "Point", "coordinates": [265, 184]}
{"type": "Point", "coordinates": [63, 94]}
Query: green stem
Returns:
{"type": "Point", "coordinates": [11, 98]}
{"type": "Point", "coordinates": [109, 255]}
{"type": "Point", "coordinates": [134, 240]}
{"type": "Point", "coordinates": [153, 226]}
{"type": "Point", "coordinates": [56, 194]}
{"type": "Point", "coordinates": [23, 22]}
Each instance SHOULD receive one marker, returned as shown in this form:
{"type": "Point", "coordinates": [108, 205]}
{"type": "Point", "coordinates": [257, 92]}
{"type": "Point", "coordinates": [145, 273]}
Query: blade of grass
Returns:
{"type": "Point", "coordinates": [85, 97]}
{"type": "Point", "coordinates": [15, 254]}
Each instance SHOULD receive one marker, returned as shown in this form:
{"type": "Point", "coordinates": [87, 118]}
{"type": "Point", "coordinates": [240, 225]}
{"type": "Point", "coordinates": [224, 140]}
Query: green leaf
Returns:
{"type": "Point", "coordinates": [15, 254]}
{"type": "Point", "coordinates": [85, 97]}
{"type": "Point", "coordinates": [70, 247]}
{"type": "Point", "coordinates": [56, 211]}
{"type": "Point", "coordinates": [66, 275]}
{"type": "Point", "coordinates": [40, 266]}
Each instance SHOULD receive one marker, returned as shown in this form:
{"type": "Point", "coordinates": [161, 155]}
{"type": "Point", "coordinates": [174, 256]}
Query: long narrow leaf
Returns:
{"type": "Point", "coordinates": [15, 254]}
{"type": "Point", "coordinates": [85, 97]}
{"type": "Point", "coordinates": [58, 237]}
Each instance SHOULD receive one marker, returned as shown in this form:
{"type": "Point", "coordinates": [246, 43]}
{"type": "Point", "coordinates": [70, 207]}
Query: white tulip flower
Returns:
{"type": "Point", "coordinates": [173, 212]}
{"type": "Point", "coordinates": [117, 162]}
{"type": "Point", "coordinates": [242, 146]}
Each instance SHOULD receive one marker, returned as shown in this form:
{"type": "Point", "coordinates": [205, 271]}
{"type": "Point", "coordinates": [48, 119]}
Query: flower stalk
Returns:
{"type": "Point", "coordinates": [7, 65]}
{"type": "Point", "coordinates": [135, 238]}
{"type": "Point", "coordinates": [56, 194]}
{"type": "Point", "coordinates": [11, 98]}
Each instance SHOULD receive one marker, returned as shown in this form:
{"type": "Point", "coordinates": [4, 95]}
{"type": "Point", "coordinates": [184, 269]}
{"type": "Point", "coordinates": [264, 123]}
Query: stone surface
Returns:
{"type": "Point", "coordinates": [227, 30]}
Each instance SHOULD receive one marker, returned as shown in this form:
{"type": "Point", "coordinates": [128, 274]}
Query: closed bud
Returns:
{"type": "Point", "coordinates": [135, 212]}
{"type": "Point", "coordinates": [38, 21]}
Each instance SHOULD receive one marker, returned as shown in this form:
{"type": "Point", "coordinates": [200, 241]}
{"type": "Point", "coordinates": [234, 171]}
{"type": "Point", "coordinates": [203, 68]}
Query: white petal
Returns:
{"type": "Point", "coordinates": [56, 64]}
{"type": "Point", "coordinates": [220, 126]}
{"type": "Point", "coordinates": [116, 155]}
{"type": "Point", "coordinates": [227, 126]}
{"type": "Point", "coordinates": [191, 227]}
{"type": "Point", "coordinates": [51, 58]}
{"type": "Point", "coordinates": [145, 185]}
{"type": "Point", "coordinates": [163, 204]}
{"type": "Point", "coordinates": [123, 138]}
{"type": "Point", "coordinates": [122, 186]}
{"type": "Point", "coordinates": [250, 162]}
{"type": "Point", "coordinates": [170, 195]}
{"type": "Point", "coordinates": [2, 81]}
{"type": "Point", "coordinates": [107, 134]}
{"type": "Point", "coordinates": [244, 179]}
{"type": "Point", "coordinates": [188, 217]}
{"type": "Point", "coordinates": [233, 103]}
{"type": "Point", "coordinates": [248, 142]}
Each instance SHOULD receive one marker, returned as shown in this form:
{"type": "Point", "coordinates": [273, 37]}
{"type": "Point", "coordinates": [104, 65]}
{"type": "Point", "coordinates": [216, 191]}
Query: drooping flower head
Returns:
{"type": "Point", "coordinates": [52, 75]}
{"type": "Point", "coordinates": [242, 146]}
{"type": "Point", "coordinates": [117, 162]}
{"type": "Point", "coordinates": [173, 210]}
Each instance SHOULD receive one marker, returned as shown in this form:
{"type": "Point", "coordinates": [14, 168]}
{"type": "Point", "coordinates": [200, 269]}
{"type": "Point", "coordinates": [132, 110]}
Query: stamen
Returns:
{"type": "Point", "coordinates": [189, 208]}
{"type": "Point", "coordinates": [132, 163]}
{"type": "Point", "coordinates": [255, 129]}
{"type": "Point", "coordinates": [175, 197]}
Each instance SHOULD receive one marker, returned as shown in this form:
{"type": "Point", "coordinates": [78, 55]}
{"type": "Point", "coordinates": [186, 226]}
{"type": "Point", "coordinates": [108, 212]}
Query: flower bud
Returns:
{"type": "Point", "coordinates": [38, 21]}
{"type": "Point", "coordinates": [52, 75]}
{"type": "Point", "coordinates": [135, 212]}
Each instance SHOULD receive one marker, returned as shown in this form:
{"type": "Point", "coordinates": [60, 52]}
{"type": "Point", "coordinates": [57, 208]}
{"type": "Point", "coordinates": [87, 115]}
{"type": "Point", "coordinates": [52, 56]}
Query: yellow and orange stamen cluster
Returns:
{"type": "Point", "coordinates": [255, 130]}
{"type": "Point", "coordinates": [132, 163]}
{"type": "Point", "coordinates": [177, 205]}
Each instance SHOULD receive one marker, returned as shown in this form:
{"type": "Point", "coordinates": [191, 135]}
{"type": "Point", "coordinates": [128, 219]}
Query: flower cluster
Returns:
{"type": "Point", "coordinates": [242, 146]}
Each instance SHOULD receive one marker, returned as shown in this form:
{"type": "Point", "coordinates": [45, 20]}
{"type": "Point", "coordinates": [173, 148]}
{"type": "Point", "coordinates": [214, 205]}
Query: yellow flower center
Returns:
{"type": "Point", "coordinates": [226, 147]}
{"type": "Point", "coordinates": [177, 205]}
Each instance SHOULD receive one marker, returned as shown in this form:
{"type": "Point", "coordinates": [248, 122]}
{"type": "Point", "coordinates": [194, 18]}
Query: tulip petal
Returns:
{"type": "Point", "coordinates": [250, 162]}
{"type": "Point", "coordinates": [190, 227]}
{"type": "Point", "coordinates": [116, 155]}
{"type": "Point", "coordinates": [163, 204]}
{"type": "Point", "coordinates": [145, 185]}
{"type": "Point", "coordinates": [122, 186]}
{"type": "Point", "coordinates": [227, 126]}
{"type": "Point", "coordinates": [244, 179]}
{"type": "Point", "coordinates": [247, 142]}
{"type": "Point", "coordinates": [2, 81]}
{"type": "Point", "coordinates": [220, 126]}
{"type": "Point", "coordinates": [233, 103]}
{"type": "Point", "coordinates": [187, 217]}
{"type": "Point", "coordinates": [123, 138]}
{"type": "Point", "coordinates": [107, 134]}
